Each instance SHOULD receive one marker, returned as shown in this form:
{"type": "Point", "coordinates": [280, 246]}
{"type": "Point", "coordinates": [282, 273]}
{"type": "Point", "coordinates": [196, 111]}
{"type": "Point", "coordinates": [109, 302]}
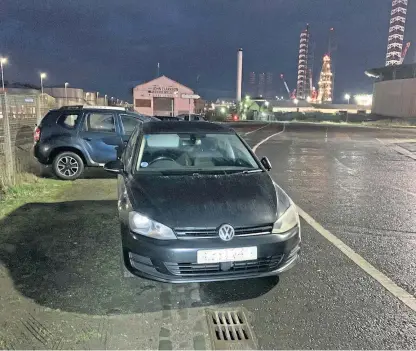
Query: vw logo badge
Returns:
{"type": "Point", "coordinates": [226, 232]}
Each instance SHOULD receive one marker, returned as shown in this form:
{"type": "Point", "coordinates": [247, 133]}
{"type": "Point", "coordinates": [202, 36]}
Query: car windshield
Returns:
{"type": "Point", "coordinates": [189, 152]}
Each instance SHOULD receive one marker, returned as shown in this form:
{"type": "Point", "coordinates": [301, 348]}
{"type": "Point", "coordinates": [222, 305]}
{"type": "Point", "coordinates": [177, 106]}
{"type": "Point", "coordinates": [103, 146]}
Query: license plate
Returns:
{"type": "Point", "coordinates": [227, 255]}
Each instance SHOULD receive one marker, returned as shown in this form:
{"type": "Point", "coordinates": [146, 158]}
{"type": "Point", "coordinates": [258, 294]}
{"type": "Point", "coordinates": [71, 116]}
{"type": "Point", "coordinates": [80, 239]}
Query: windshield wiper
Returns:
{"type": "Point", "coordinates": [248, 171]}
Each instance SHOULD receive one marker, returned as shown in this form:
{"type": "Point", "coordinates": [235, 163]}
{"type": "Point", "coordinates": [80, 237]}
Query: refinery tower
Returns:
{"type": "Point", "coordinates": [302, 86]}
{"type": "Point", "coordinates": [395, 54]}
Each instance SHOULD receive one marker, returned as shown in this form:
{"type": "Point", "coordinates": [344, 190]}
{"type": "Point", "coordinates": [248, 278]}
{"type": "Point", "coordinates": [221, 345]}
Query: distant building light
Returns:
{"type": "Point", "coordinates": [364, 99]}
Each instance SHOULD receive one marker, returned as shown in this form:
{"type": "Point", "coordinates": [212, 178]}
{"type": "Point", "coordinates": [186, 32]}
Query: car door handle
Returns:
{"type": "Point", "coordinates": [87, 139]}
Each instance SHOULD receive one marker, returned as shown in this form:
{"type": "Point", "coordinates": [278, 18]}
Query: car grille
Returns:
{"type": "Point", "coordinates": [261, 265]}
{"type": "Point", "coordinates": [187, 233]}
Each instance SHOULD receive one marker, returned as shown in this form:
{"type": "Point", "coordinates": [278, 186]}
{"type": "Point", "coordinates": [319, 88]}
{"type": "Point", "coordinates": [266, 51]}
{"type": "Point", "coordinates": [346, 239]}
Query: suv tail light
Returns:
{"type": "Point", "coordinates": [36, 135]}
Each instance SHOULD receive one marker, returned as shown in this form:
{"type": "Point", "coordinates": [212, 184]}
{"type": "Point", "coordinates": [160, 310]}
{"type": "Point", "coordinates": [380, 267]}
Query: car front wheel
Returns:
{"type": "Point", "coordinates": [68, 166]}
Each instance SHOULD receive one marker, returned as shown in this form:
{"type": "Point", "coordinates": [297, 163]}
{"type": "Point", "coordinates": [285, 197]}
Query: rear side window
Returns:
{"type": "Point", "coordinates": [69, 120]}
{"type": "Point", "coordinates": [100, 122]}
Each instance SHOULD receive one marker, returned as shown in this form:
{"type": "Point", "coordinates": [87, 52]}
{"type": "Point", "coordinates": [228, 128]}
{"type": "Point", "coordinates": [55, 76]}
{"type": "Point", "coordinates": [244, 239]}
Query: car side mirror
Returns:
{"type": "Point", "coordinates": [266, 163]}
{"type": "Point", "coordinates": [115, 166]}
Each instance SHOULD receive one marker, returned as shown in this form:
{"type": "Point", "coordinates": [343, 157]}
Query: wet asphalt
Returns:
{"type": "Point", "coordinates": [64, 255]}
{"type": "Point", "coordinates": [364, 192]}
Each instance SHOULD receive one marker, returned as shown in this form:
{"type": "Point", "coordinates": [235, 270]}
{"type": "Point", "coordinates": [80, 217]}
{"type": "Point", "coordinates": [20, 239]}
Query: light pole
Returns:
{"type": "Point", "coordinates": [97, 96]}
{"type": "Point", "coordinates": [42, 77]}
{"type": "Point", "coordinates": [105, 100]}
{"type": "Point", "coordinates": [296, 102]}
{"type": "Point", "coordinates": [66, 94]}
{"type": "Point", "coordinates": [347, 97]}
{"type": "Point", "coordinates": [3, 61]}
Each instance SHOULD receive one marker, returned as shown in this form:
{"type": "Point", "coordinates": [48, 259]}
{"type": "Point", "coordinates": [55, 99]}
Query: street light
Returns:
{"type": "Point", "coordinates": [222, 110]}
{"type": "Point", "coordinates": [66, 94]}
{"type": "Point", "coordinates": [3, 61]}
{"type": "Point", "coordinates": [267, 103]}
{"type": "Point", "coordinates": [105, 100]}
{"type": "Point", "coordinates": [42, 77]}
{"type": "Point", "coordinates": [296, 101]}
{"type": "Point", "coordinates": [347, 97]}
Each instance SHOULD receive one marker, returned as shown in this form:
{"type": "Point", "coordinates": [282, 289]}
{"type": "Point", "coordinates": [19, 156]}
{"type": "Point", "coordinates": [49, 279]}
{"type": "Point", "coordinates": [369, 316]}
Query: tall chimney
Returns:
{"type": "Point", "coordinates": [239, 73]}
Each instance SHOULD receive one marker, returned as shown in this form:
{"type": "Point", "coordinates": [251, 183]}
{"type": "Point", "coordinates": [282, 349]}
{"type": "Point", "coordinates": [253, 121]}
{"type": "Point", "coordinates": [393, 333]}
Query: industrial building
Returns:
{"type": "Point", "coordinates": [163, 97]}
{"type": "Point", "coordinates": [394, 91]}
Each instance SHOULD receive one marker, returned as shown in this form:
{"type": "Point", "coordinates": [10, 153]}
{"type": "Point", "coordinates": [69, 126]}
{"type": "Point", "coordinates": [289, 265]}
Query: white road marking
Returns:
{"type": "Point", "coordinates": [402, 190]}
{"type": "Point", "coordinates": [386, 282]}
{"type": "Point", "coordinates": [269, 137]}
{"type": "Point", "coordinates": [255, 130]}
{"type": "Point", "coordinates": [350, 170]}
{"type": "Point", "coordinates": [399, 149]}
{"type": "Point", "coordinates": [408, 299]}
{"type": "Point", "coordinates": [403, 151]}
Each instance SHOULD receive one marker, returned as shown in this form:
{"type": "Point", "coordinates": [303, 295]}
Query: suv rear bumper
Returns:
{"type": "Point", "coordinates": [42, 153]}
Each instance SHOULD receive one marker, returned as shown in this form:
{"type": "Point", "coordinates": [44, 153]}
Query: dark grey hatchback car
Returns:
{"type": "Point", "coordinates": [195, 204]}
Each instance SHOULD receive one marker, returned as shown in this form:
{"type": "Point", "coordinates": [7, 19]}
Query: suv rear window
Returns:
{"type": "Point", "coordinates": [69, 120]}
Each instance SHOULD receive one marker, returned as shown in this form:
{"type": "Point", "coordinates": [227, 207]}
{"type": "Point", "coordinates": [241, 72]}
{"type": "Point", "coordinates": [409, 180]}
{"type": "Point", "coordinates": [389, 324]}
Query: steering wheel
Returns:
{"type": "Point", "coordinates": [160, 158]}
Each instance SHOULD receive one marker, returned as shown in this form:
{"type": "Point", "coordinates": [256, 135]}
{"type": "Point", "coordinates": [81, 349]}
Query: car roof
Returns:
{"type": "Point", "coordinates": [184, 127]}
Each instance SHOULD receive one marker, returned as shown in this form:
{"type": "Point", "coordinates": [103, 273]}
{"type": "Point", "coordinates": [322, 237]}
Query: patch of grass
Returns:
{"type": "Point", "coordinates": [392, 123]}
{"type": "Point", "coordinates": [30, 189]}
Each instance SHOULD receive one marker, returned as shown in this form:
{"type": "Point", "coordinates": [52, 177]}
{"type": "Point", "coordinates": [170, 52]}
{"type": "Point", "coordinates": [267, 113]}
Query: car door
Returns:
{"type": "Point", "coordinates": [100, 135]}
{"type": "Point", "coordinates": [128, 124]}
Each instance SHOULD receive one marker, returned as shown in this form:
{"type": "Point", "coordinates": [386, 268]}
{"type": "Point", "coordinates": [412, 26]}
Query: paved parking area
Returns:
{"type": "Point", "coordinates": [61, 286]}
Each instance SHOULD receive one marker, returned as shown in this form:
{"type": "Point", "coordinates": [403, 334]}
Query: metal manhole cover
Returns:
{"type": "Point", "coordinates": [230, 330]}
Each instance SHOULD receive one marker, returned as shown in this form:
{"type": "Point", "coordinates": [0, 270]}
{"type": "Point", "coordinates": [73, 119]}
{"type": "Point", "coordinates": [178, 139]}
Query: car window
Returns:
{"type": "Point", "coordinates": [129, 123]}
{"type": "Point", "coordinates": [100, 122]}
{"type": "Point", "coordinates": [68, 119]}
{"type": "Point", "coordinates": [128, 152]}
{"type": "Point", "coordinates": [194, 152]}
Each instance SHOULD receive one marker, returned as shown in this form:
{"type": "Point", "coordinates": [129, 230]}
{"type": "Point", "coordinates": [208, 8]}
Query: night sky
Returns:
{"type": "Point", "coordinates": [112, 45]}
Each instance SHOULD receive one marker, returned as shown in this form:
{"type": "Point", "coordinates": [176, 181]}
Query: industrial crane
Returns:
{"type": "Point", "coordinates": [404, 52]}
{"type": "Point", "coordinates": [291, 95]}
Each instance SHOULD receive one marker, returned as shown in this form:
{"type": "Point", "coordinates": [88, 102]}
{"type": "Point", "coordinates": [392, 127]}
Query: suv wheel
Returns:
{"type": "Point", "coordinates": [68, 166]}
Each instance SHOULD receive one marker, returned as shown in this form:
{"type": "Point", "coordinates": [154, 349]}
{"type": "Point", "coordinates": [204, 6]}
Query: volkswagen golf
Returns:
{"type": "Point", "coordinates": [196, 204]}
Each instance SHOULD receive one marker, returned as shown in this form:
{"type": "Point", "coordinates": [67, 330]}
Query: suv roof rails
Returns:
{"type": "Point", "coordinates": [91, 107]}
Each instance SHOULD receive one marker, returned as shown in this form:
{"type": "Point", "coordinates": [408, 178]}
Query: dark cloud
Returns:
{"type": "Point", "coordinates": [109, 45]}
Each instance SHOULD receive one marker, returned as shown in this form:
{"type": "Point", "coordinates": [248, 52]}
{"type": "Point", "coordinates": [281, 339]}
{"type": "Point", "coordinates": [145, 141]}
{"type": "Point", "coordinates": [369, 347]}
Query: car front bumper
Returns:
{"type": "Point", "coordinates": [175, 261]}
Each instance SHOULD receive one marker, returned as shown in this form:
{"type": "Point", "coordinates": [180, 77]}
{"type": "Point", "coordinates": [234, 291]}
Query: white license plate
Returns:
{"type": "Point", "coordinates": [227, 255]}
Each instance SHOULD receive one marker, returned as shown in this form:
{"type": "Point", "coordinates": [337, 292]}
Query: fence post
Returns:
{"type": "Point", "coordinates": [8, 150]}
{"type": "Point", "coordinates": [38, 110]}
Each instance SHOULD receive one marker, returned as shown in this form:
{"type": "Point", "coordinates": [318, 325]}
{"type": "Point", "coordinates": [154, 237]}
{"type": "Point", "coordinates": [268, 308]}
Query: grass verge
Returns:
{"type": "Point", "coordinates": [32, 189]}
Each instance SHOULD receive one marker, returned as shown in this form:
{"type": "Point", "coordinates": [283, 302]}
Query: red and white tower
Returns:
{"type": "Point", "coordinates": [302, 86]}
{"type": "Point", "coordinates": [396, 32]}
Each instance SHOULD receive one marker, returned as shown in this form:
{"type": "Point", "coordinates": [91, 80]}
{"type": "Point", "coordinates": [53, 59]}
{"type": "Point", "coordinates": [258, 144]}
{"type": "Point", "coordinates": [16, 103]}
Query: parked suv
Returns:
{"type": "Point", "coordinates": [74, 137]}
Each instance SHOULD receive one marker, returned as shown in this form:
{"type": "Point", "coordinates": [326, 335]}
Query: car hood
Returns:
{"type": "Point", "coordinates": [206, 201]}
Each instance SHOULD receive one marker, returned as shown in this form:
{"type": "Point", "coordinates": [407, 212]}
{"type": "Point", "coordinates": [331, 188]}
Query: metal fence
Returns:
{"type": "Point", "coordinates": [18, 115]}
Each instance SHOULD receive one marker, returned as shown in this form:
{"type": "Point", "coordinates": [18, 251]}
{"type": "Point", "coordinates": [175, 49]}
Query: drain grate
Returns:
{"type": "Point", "coordinates": [229, 329]}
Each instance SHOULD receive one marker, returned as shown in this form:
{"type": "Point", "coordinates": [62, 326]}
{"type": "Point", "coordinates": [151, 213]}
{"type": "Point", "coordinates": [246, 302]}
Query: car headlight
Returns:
{"type": "Point", "coordinates": [288, 220]}
{"type": "Point", "coordinates": [143, 225]}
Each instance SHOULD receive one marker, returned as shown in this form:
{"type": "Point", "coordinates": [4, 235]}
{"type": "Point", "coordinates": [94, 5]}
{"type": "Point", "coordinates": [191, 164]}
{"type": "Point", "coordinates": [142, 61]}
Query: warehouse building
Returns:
{"type": "Point", "coordinates": [163, 97]}
{"type": "Point", "coordinates": [394, 93]}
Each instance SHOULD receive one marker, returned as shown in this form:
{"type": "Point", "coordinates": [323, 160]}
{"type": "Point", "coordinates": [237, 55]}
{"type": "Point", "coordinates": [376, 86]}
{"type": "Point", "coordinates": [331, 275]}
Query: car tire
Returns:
{"type": "Point", "coordinates": [68, 166]}
{"type": "Point", "coordinates": [125, 273]}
